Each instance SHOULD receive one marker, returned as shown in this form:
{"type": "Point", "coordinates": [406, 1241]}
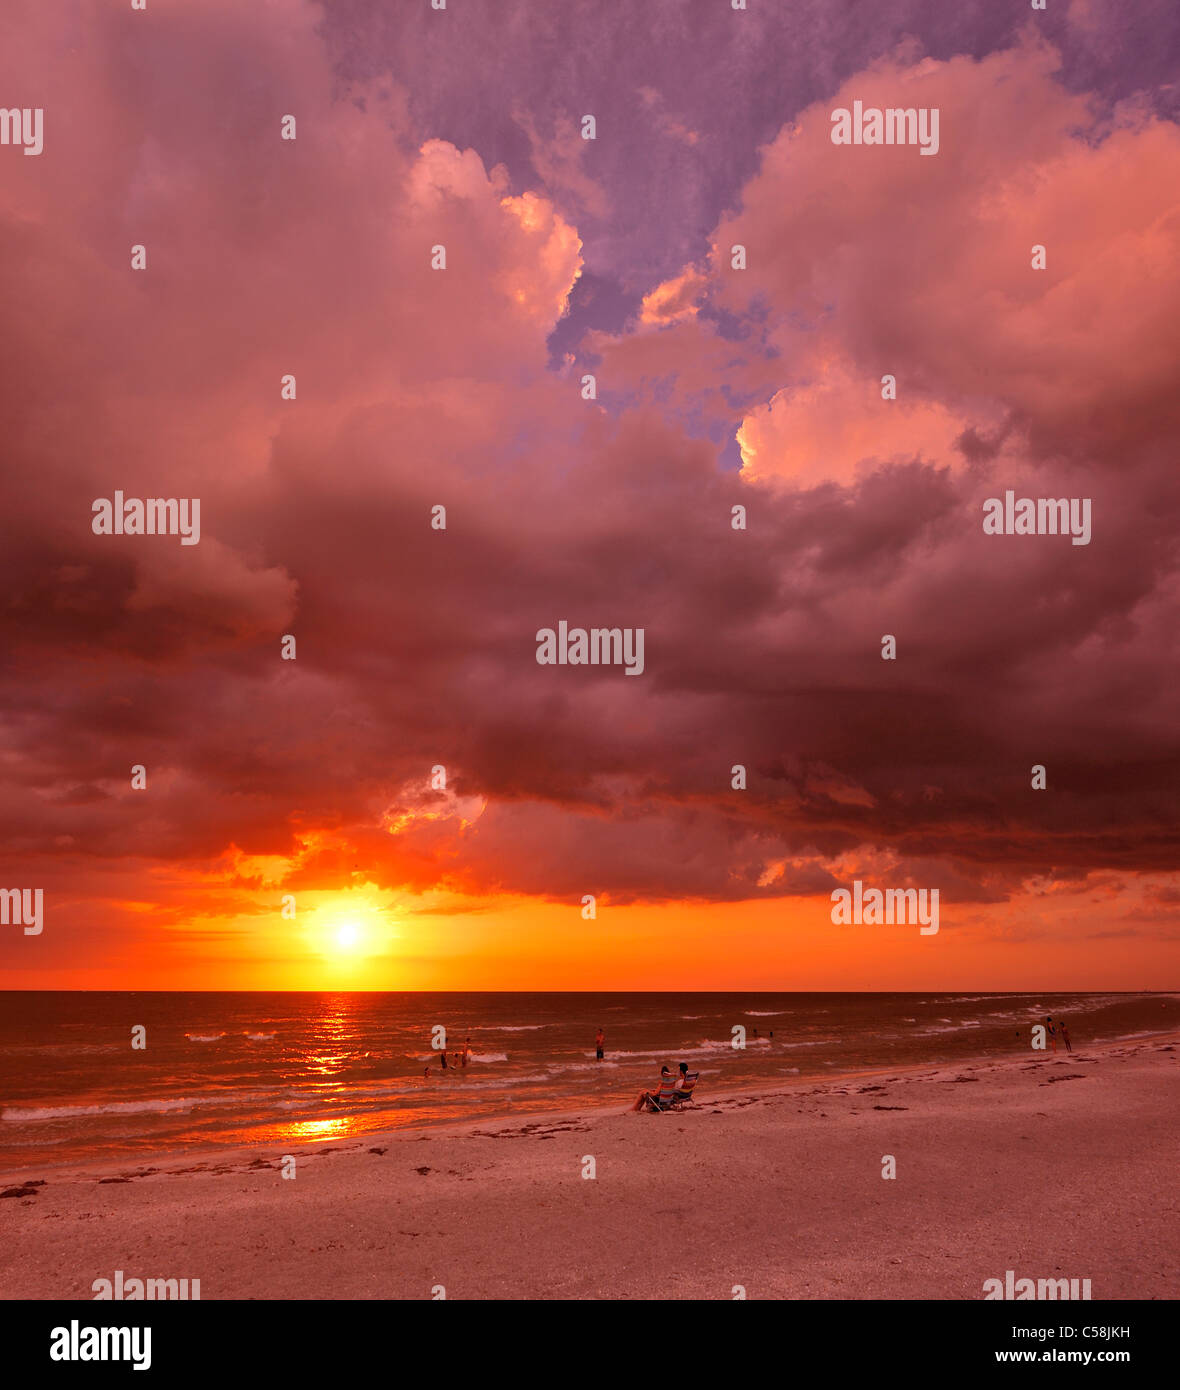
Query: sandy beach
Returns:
{"type": "Point", "coordinates": [1053, 1167]}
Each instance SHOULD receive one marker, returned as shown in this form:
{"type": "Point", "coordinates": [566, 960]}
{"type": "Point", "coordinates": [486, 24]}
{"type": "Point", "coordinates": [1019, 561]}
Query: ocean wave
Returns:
{"type": "Point", "coordinates": [705, 1048]}
{"type": "Point", "coordinates": [352, 1099]}
{"type": "Point", "coordinates": [213, 1100]}
{"type": "Point", "coordinates": [204, 1037]}
{"type": "Point", "coordinates": [434, 1056]}
{"type": "Point", "coordinates": [499, 1083]}
{"type": "Point", "coordinates": [17, 1114]}
{"type": "Point", "coordinates": [262, 1037]}
{"type": "Point", "coordinates": [663, 1052]}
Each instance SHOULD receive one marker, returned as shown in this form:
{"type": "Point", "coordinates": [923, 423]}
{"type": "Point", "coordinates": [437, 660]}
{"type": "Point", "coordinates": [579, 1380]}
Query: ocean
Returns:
{"type": "Point", "coordinates": [255, 1068]}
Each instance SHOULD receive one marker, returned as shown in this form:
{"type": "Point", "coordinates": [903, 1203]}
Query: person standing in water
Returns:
{"type": "Point", "coordinates": [1052, 1031]}
{"type": "Point", "coordinates": [1064, 1035]}
{"type": "Point", "coordinates": [599, 1044]}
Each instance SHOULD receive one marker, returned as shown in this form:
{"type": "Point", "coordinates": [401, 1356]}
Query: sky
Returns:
{"type": "Point", "coordinates": [294, 831]}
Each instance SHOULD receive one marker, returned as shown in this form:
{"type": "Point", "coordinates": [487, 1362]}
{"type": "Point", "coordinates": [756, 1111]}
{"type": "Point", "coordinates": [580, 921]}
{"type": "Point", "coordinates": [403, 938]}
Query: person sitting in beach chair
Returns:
{"type": "Point", "coordinates": [684, 1089]}
{"type": "Point", "coordinates": [660, 1099]}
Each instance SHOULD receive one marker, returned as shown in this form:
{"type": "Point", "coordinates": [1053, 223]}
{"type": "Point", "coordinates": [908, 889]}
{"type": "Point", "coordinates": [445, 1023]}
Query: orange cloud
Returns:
{"type": "Point", "coordinates": [674, 300]}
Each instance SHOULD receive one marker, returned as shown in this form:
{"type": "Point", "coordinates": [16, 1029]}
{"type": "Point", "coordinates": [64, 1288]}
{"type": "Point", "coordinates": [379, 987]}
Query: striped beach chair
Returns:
{"type": "Point", "coordinates": [683, 1093]}
{"type": "Point", "coordinates": [663, 1098]}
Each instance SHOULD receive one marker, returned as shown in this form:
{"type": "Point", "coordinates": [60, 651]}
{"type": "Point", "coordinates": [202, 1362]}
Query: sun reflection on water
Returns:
{"type": "Point", "coordinates": [313, 1131]}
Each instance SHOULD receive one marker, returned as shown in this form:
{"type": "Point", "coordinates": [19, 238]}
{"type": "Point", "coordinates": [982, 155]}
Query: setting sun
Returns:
{"type": "Point", "coordinates": [348, 936]}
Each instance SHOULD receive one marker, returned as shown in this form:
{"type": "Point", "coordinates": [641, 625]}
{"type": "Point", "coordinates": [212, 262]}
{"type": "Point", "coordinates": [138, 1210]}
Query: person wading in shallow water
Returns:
{"type": "Point", "coordinates": [599, 1043]}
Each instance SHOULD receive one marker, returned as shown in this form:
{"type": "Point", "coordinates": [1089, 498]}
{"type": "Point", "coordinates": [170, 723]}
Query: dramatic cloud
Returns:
{"type": "Point", "coordinates": [421, 387]}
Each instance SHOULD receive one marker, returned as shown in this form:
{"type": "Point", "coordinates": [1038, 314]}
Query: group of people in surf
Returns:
{"type": "Point", "coordinates": [458, 1059]}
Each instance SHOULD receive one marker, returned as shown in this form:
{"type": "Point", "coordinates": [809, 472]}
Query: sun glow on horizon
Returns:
{"type": "Point", "coordinates": [350, 931]}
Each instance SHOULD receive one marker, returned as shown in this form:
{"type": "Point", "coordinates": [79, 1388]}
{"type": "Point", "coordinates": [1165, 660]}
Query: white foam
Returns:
{"type": "Point", "coordinates": [16, 1114]}
{"type": "Point", "coordinates": [434, 1057]}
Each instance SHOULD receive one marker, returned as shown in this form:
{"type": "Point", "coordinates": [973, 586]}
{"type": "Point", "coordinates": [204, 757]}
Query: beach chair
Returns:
{"type": "Point", "coordinates": [683, 1093]}
{"type": "Point", "coordinates": [662, 1100]}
